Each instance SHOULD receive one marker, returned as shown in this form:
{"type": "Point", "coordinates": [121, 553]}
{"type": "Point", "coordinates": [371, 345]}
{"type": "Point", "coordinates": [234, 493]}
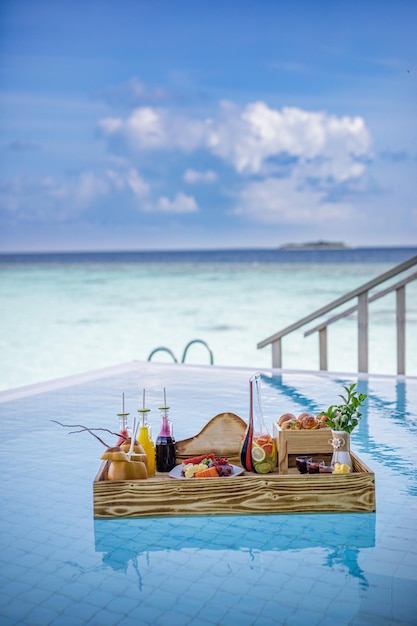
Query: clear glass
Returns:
{"type": "Point", "coordinates": [258, 451]}
{"type": "Point", "coordinates": [123, 432]}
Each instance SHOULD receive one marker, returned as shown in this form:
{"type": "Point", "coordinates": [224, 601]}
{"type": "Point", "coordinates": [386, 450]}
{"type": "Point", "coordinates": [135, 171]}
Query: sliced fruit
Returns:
{"type": "Point", "coordinates": [197, 459]}
{"type": "Point", "coordinates": [258, 454]}
{"type": "Point", "coordinates": [268, 448]}
{"type": "Point", "coordinates": [211, 472]}
{"type": "Point", "coordinates": [262, 468]}
{"type": "Point", "coordinates": [263, 439]}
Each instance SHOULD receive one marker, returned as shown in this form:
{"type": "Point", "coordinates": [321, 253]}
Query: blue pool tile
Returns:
{"type": "Point", "coordinates": [73, 620]}
{"type": "Point", "coordinates": [103, 617]}
{"type": "Point", "coordinates": [15, 611]}
{"type": "Point", "coordinates": [271, 611]}
{"type": "Point", "coordinates": [410, 560]}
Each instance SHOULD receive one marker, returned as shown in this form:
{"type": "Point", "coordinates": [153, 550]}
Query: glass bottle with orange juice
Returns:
{"type": "Point", "coordinates": [145, 438]}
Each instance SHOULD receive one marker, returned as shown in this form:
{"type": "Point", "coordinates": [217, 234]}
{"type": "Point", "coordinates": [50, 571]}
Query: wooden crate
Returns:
{"type": "Point", "coordinates": [248, 493]}
{"type": "Point", "coordinates": [292, 443]}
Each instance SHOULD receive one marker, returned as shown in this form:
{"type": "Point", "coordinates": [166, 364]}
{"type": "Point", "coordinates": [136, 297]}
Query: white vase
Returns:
{"type": "Point", "coordinates": [340, 443]}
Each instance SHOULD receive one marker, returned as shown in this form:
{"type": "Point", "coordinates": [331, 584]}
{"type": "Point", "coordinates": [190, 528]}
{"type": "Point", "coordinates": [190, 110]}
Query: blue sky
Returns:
{"type": "Point", "coordinates": [205, 124]}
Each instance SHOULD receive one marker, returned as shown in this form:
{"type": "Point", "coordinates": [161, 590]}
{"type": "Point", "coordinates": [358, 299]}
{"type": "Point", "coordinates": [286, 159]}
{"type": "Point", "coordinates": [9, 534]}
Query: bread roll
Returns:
{"type": "Point", "coordinates": [305, 414]}
{"type": "Point", "coordinates": [285, 417]}
{"type": "Point", "coordinates": [321, 420]}
{"type": "Point", "coordinates": [309, 422]}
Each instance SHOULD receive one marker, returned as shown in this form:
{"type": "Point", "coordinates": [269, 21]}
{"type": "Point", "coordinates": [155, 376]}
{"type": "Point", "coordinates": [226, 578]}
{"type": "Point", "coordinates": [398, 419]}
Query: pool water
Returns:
{"type": "Point", "coordinates": [62, 567]}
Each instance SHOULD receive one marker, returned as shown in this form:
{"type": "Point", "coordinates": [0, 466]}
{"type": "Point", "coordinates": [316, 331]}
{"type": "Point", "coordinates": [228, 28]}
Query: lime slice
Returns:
{"type": "Point", "coordinates": [262, 468]}
{"type": "Point", "coordinates": [258, 454]}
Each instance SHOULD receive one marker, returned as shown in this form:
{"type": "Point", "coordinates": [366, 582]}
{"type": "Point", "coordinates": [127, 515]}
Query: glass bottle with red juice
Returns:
{"type": "Point", "coordinates": [165, 443]}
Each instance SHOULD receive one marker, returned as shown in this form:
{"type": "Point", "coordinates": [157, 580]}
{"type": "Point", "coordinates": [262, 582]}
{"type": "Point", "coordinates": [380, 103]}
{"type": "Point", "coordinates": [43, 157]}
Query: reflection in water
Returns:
{"type": "Point", "coordinates": [341, 536]}
{"type": "Point", "coordinates": [348, 558]}
{"type": "Point", "coordinates": [400, 388]}
{"type": "Point", "coordinates": [292, 393]}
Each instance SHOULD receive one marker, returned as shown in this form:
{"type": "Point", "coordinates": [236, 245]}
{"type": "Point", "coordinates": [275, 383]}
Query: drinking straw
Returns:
{"type": "Point", "coordinates": [133, 439]}
{"type": "Point", "coordinates": [143, 410]}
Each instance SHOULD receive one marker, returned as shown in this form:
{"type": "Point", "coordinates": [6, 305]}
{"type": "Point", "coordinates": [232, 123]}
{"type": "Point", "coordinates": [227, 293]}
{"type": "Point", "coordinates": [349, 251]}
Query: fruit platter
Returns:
{"type": "Point", "coordinates": [205, 466]}
{"type": "Point", "coordinates": [210, 479]}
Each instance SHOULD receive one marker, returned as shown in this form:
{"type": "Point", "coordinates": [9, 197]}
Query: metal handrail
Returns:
{"type": "Point", "coordinates": [162, 349]}
{"type": "Point", "coordinates": [353, 309]}
{"type": "Point", "coordinates": [190, 343]}
{"type": "Point", "coordinates": [361, 293]}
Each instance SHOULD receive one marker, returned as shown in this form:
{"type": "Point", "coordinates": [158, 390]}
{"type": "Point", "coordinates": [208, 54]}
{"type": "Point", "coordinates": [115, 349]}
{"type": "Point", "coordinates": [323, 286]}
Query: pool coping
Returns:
{"type": "Point", "coordinates": [90, 375]}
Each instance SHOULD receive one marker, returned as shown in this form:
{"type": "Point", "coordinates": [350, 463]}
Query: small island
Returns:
{"type": "Point", "coordinates": [315, 245]}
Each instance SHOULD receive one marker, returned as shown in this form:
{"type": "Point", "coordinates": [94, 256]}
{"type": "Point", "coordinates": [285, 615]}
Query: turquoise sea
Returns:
{"type": "Point", "coordinates": [63, 313]}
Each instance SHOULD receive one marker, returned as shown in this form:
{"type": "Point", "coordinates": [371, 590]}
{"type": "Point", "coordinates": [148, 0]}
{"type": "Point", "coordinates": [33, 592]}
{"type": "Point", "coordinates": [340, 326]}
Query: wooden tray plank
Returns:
{"type": "Point", "coordinates": [240, 495]}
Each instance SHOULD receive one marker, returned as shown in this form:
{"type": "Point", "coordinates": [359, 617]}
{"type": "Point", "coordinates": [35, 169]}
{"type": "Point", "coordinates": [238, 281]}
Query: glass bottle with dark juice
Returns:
{"type": "Point", "coordinates": [165, 443]}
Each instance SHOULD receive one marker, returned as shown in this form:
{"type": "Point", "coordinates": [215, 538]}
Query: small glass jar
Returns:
{"type": "Point", "coordinates": [313, 467]}
{"type": "Point", "coordinates": [301, 463]}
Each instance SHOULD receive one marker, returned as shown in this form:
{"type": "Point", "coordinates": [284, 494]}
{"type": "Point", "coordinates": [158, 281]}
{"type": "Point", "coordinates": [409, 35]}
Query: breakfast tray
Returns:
{"type": "Point", "coordinates": [247, 493]}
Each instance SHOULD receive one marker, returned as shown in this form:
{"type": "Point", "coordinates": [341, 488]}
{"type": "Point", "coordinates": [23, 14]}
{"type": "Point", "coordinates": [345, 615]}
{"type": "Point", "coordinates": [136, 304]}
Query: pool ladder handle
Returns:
{"type": "Point", "coordinates": [189, 344]}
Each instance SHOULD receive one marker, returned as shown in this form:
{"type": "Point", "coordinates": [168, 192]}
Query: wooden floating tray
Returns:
{"type": "Point", "coordinates": [248, 493]}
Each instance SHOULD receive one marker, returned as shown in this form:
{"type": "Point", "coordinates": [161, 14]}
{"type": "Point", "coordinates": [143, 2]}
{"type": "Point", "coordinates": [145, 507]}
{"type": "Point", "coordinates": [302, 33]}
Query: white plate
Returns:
{"type": "Point", "coordinates": [176, 472]}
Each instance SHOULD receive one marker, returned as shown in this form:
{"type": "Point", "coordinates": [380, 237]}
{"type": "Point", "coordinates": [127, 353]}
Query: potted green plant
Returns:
{"type": "Point", "coordinates": [342, 419]}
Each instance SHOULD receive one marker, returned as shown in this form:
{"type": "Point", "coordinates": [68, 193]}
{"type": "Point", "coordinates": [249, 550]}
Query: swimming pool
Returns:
{"type": "Point", "coordinates": [62, 567]}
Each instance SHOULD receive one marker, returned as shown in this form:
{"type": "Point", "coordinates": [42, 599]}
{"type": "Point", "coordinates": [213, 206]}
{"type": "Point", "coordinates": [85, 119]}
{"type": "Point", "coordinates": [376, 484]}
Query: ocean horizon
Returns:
{"type": "Point", "coordinates": [286, 252]}
{"type": "Point", "coordinates": [64, 313]}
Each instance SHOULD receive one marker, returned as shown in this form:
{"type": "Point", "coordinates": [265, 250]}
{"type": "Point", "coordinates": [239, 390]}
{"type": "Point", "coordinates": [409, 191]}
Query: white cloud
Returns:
{"type": "Point", "coordinates": [129, 179]}
{"type": "Point", "coordinates": [285, 200]}
{"type": "Point", "coordinates": [248, 138]}
{"type": "Point", "coordinates": [276, 153]}
{"type": "Point", "coordinates": [134, 92]}
{"type": "Point", "coordinates": [145, 128]}
{"type": "Point", "coordinates": [57, 199]}
{"type": "Point", "coordinates": [340, 169]}
{"type": "Point", "coordinates": [151, 128]}
{"type": "Point", "coordinates": [180, 204]}
{"type": "Point", "coordinates": [110, 125]}
{"type": "Point", "coordinates": [194, 177]}
{"type": "Point", "coordinates": [88, 188]}
{"type": "Point", "coordinates": [136, 183]}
